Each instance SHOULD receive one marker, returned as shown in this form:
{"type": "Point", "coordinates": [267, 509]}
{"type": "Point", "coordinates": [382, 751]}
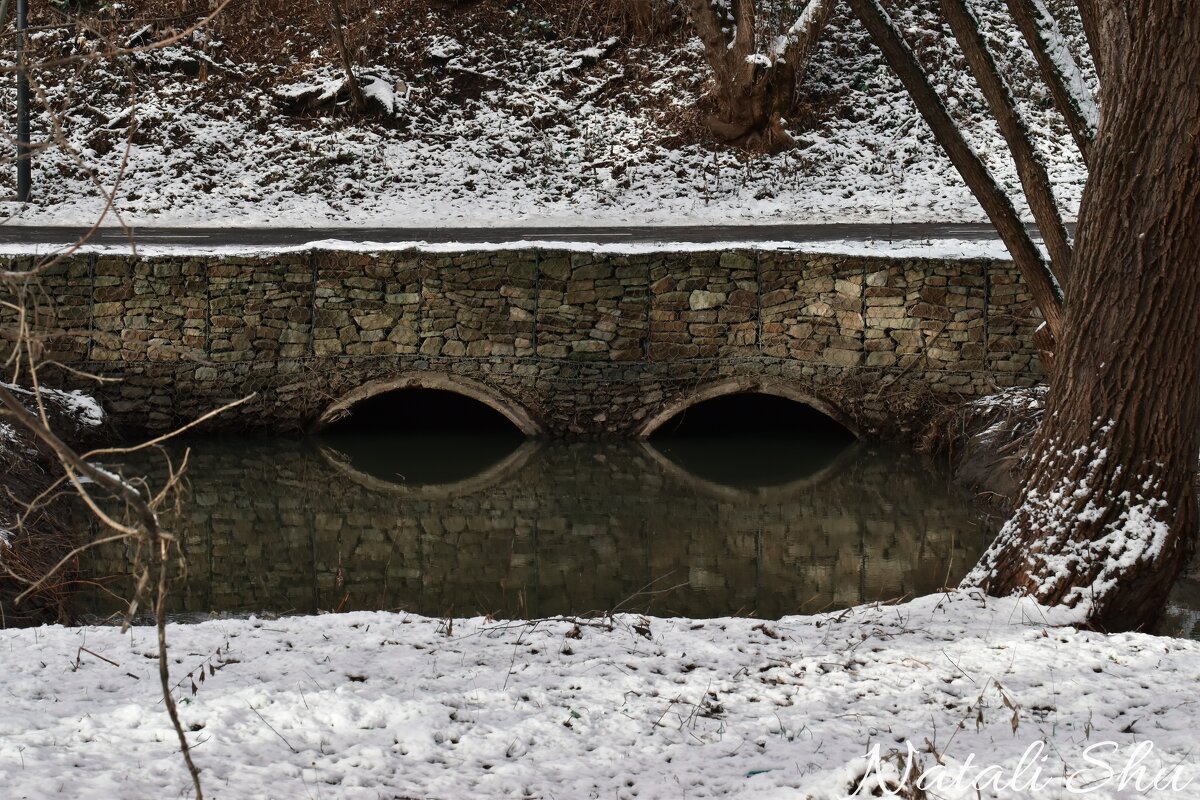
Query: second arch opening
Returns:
{"type": "Point", "coordinates": [752, 439]}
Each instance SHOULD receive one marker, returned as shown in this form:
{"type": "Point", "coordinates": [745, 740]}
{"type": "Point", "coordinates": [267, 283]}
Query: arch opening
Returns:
{"type": "Point", "coordinates": [417, 437]}
{"type": "Point", "coordinates": [421, 410]}
{"type": "Point", "coordinates": [751, 413]}
{"type": "Point", "coordinates": [752, 440]}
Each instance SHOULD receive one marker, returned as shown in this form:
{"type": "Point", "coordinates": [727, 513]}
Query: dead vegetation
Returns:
{"type": "Point", "coordinates": [262, 45]}
{"type": "Point", "coordinates": [29, 470]}
{"type": "Point", "coordinates": [985, 443]}
{"type": "Point", "coordinates": [555, 103]}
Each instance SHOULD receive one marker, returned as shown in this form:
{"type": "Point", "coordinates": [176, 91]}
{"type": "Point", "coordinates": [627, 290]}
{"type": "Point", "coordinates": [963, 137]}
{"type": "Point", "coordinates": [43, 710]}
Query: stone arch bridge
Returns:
{"type": "Point", "coordinates": [561, 343]}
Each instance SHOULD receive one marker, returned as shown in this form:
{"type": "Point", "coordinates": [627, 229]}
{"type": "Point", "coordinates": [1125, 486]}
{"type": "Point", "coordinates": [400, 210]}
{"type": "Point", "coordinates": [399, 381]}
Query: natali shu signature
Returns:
{"type": "Point", "coordinates": [1106, 765]}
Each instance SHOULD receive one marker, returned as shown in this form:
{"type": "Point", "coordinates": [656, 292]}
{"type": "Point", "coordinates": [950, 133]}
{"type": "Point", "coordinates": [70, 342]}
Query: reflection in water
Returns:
{"type": "Point", "coordinates": [423, 459]}
{"type": "Point", "coordinates": [753, 462]}
{"type": "Point", "coordinates": [559, 528]}
{"type": "Point", "coordinates": [1182, 617]}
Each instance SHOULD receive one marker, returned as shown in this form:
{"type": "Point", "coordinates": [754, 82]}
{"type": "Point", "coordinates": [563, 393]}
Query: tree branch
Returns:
{"type": "Point", "coordinates": [148, 521]}
{"type": "Point", "coordinates": [1108, 29]}
{"type": "Point", "coordinates": [1030, 168]}
{"type": "Point", "coordinates": [1070, 91]}
{"type": "Point", "coordinates": [743, 38]}
{"type": "Point", "coordinates": [709, 29]}
{"type": "Point", "coordinates": [337, 26]}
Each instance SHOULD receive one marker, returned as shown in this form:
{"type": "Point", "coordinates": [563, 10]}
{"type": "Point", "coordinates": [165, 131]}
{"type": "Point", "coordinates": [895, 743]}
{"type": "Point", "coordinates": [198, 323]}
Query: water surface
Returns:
{"type": "Point", "coordinates": [479, 523]}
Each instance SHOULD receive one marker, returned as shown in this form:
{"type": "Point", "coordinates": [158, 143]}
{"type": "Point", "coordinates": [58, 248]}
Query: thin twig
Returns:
{"type": "Point", "coordinates": [272, 727]}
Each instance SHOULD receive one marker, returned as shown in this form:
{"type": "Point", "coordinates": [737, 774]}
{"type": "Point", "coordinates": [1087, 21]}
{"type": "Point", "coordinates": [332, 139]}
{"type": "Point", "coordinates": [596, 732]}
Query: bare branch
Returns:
{"type": "Point", "coordinates": [173, 434]}
{"type": "Point", "coordinates": [743, 40]}
{"type": "Point", "coordinates": [148, 524]}
{"type": "Point", "coordinates": [1030, 168]}
{"type": "Point", "coordinates": [337, 27]}
{"type": "Point", "coordinates": [712, 35]}
{"type": "Point", "coordinates": [795, 46]}
{"type": "Point", "coordinates": [115, 52]}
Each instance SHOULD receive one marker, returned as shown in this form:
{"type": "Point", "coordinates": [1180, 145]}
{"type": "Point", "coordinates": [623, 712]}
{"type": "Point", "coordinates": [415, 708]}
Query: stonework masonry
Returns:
{"type": "Point", "coordinates": [568, 343]}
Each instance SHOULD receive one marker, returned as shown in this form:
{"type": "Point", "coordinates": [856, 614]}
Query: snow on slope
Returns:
{"type": "Point", "coordinates": [491, 129]}
{"type": "Point", "coordinates": [380, 705]}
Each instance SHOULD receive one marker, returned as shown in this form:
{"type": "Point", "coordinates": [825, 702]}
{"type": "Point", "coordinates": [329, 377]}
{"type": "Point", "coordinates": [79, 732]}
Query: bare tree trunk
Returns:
{"type": "Point", "coordinates": [754, 90]}
{"type": "Point", "coordinates": [1071, 95]}
{"type": "Point", "coordinates": [1108, 29]}
{"type": "Point", "coordinates": [337, 27]}
{"type": "Point", "coordinates": [1108, 517]}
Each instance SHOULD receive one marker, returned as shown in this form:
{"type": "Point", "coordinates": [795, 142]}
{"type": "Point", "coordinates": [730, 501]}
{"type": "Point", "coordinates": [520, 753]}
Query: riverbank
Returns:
{"type": "Point", "coordinates": [370, 705]}
{"type": "Point", "coordinates": [972, 691]}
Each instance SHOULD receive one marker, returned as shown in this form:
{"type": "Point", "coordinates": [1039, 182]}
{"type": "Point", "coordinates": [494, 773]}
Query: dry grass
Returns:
{"type": "Point", "coordinates": [282, 32]}
{"type": "Point", "coordinates": [986, 441]}
{"type": "Point", "coordinates": [262, 44]}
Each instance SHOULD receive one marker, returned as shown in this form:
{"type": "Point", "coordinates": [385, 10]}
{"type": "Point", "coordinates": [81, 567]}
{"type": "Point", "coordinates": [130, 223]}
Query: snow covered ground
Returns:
{"type": "Point", "coordinates": [386, 705]}
{"type": "Point", "coordinates": [478, 126]}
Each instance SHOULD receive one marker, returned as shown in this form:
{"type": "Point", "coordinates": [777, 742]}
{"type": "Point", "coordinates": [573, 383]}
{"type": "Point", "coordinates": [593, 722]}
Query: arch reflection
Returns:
{"type": "Point", "coordinates": [417, 438]}
{"type": "Point", "coordinates": [723, 403]}
{"type": "Point", "coordinates": [752, 440]}
{"type": "Point", "coordinates": [429, 466]}
{"type": "Point", "coordinates": [765, 474]}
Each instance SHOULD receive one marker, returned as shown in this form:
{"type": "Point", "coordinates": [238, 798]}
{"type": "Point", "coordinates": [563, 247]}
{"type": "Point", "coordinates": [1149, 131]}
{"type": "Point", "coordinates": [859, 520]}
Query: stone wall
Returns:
{"type": "Point", "coordinates": [582, 344]}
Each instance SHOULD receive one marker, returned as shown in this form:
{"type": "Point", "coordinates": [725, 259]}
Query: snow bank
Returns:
{"type": "Point", "coordinates": [372, 705]}
{"type": "Point", "coordinates": [902, 248]}
{"type": "Point", "coordinates": [77, 405]}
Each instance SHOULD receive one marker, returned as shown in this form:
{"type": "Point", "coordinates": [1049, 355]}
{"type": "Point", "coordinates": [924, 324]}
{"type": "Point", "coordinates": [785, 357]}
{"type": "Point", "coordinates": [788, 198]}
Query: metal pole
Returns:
{"type": "Point", "coordinates": [24, 151]}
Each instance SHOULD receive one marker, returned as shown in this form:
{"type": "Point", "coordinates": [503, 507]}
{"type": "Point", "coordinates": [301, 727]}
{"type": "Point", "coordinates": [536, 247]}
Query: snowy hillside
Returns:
{"type": "Point", "coordinates": [490, 113]}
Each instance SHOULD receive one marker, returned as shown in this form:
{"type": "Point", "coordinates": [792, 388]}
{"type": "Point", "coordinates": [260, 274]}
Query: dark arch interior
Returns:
{"type": "Point", "coordinates": [422, 437]}
{"type": "Point", "coordinates": [424, 411]}
{"type": "Point", "coordinates": [755, 414]}
{"type": "Point", "coordinates": [751, 440]}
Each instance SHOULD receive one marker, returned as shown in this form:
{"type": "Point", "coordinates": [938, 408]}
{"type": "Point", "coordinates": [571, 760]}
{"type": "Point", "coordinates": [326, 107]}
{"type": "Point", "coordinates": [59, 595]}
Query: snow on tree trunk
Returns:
{"type": "Point", "coordinates": [1070, 90]}
{"type": "Point", "coordinates": [1108, 517]}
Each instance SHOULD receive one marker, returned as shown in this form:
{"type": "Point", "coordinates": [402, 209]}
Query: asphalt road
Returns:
{"type": "Point", "coordinates": [284, 237]}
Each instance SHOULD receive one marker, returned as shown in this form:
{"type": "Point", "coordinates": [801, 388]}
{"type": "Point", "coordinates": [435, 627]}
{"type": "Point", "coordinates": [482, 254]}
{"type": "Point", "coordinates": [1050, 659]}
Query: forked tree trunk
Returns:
{"type": "Point", "coordinates": [337, 29]}
{"type": "Point", "coordinates": [751, 103]}
{"type": "Point", "coordinates": [1108, 517]}
{"type": "Point", "coordinates": [754, 90]}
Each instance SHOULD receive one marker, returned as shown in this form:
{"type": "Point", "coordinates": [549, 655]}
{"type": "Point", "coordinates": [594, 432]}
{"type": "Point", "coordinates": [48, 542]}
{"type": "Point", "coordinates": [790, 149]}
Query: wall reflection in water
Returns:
{"type": "Point", "coordinates": [474, 524]}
